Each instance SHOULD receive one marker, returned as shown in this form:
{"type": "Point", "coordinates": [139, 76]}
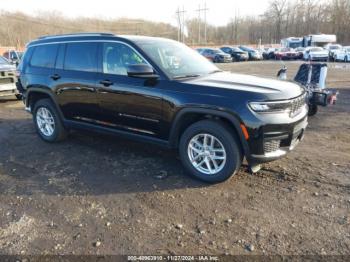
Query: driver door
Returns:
{"type": "Point", "coordinates": [127, 103]}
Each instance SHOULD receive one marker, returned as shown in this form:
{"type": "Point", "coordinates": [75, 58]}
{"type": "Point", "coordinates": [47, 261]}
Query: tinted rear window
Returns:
{"type": "Point", "coordinates": [44, 56]}
{"type": "Point", "coordinates": [81, 57]}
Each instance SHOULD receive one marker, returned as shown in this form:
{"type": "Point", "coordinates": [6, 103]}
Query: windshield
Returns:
{"type": "Point", "coordinates": [236, 49]}
{"type": "Point", "coordinates": [217, 51]}
{"type": "Point", "coordinates": [3, 61]}
{"type": "Point", "coordinates": [295, 45]}
{"type": "Point", "coordinates": [244, 48]}
{"type": "Point", "coordinates": [175, 59]}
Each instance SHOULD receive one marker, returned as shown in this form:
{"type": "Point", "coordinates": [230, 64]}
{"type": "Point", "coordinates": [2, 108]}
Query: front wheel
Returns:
{"type": "Point", "coordinates": [209, 151]}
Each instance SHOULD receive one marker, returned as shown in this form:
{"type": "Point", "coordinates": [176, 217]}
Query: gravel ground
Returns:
{"type": "Point", "coordinates": [95, 194]}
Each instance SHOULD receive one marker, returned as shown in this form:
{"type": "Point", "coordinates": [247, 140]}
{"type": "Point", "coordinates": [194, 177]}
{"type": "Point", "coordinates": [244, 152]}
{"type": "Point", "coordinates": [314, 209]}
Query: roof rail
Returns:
{"type": "Point", "coordinates": [75, 34]}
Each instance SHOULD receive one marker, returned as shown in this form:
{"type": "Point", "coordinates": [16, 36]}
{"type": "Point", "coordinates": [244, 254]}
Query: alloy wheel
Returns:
{"type": "Point", "coordinates": [206, 153]}
{"type": "Point", "coordinates": [45, 121]}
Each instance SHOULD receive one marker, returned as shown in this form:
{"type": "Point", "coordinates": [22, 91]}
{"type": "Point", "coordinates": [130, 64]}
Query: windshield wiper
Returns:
{"type": "Point", "coordinates": [186, 76]}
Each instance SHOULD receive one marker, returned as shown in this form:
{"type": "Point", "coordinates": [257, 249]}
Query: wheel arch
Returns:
{"type": "Point", "coordinates": [36, 93]}
{"type": "Point", "coordinates": [188, 116]}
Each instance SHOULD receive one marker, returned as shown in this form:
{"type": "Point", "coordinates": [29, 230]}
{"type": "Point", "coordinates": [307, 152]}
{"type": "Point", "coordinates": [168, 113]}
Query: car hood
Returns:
{"type": "Point", "coordinates": [4, 67]}
{"type": "Point", "coordinates": [271, 89]}
{"type": "Point", "coordinates": [319, 53]}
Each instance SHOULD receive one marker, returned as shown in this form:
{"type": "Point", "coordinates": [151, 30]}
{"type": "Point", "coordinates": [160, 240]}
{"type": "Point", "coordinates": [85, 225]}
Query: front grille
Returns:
{"type": "Point", "coordinates": [6, 81]}
{"type": "Point", "coordinates": [271, 146]}
{"type": "Point", "coordinates": [297, 104]}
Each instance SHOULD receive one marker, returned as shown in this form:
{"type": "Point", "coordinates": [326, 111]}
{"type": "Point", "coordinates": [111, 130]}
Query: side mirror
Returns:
{"type": "Point", "coordinates": [141, 71]}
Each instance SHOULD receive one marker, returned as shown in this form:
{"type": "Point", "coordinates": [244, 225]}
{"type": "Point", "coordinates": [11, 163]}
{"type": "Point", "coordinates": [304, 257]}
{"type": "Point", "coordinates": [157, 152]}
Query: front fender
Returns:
{"type": "Point", "coordinates": [231, 118]}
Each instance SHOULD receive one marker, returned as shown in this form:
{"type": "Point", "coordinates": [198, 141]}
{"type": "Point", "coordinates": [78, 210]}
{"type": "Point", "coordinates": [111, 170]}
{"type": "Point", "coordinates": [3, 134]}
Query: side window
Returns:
{"type": "Point", "coordinates": [44, 56]}
{"type": "Point", "coordinates": [117, 57]}
{"type": "Point", "coordinates": [81, 57]}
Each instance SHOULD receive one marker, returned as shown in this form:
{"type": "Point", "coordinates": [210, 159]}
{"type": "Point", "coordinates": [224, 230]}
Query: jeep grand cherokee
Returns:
{"type": "Point", "coordinates": [160, 91]}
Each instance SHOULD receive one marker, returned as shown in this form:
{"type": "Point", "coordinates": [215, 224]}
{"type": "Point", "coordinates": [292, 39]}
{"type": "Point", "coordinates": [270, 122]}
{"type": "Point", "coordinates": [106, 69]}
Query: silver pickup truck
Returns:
{"type": "Point", "coordinates": [8, 79]}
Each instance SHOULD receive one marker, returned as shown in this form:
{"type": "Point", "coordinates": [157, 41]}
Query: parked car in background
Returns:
{"type": "Point", "coordinates": [216, 55]}
{"type": "Point", "coordinates": [253, 54]}
{"type": "Point", "coordinates": [332, 49]}
{"type": "Point", "coordinates": [286, 53]}
{"type": "Point", "coordinates": [270, 53]}
{"type": "Point", "coordinates": [342, 54]}
{"type": "Point", "coordinates": [13, 56]}
{"type": "Point", "coordinates": [316, 54]}
{"type": "Point", "coordinates": [128, 86]}
{"type": "Point", "coordinates": [8, 79]}
{"type": "Point", "coordinates": [300, 51]}
{"type": "Point", "coordinates": [265, 52]}
{"type": "Point", "coordinates": [237, 54]}
{"type": "Point", "coordinates": [200, 50]}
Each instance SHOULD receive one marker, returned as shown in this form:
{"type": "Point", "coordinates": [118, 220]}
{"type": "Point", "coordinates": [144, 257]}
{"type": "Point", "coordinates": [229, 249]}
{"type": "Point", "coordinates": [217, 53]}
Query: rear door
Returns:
{"type": "Point", "coordinates": [75, 80]}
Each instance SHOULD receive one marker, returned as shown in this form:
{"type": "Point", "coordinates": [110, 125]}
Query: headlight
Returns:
{"type": "Point", "coordinates": [269, 107]}
{"type": "Point", "coordinates": [292, 106]}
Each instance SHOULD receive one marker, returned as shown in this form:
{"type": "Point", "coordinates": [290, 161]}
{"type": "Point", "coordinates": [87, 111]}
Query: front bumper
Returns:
{"type": "Point", "coordinates": [290, 57]}
{"type": "Point", "coordinates": [224, 59]}
{"type": "Point", "coordinates": [8, 89]}
{"type": "Point", "coordinates": [272, 142]}
{"type": "Point", "coordinates": [319, 58]}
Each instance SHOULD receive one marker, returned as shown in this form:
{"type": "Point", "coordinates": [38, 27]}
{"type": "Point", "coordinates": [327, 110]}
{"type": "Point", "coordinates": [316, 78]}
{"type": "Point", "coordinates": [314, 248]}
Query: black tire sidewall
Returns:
{"type": "Point", "coordinates": [220, 131]}
{"type": "Point", "coordinates": [46, 103]}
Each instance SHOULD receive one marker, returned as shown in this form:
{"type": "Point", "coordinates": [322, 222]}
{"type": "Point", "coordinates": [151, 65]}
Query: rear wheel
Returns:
{"type": "Point", "coordinates": [47, 121]}
{"type": "Point", "coordinates": [209, 151]}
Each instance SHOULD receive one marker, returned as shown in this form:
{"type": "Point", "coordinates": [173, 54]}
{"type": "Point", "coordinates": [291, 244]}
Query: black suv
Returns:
{"type": "Point", "coordinates": [160, 91]}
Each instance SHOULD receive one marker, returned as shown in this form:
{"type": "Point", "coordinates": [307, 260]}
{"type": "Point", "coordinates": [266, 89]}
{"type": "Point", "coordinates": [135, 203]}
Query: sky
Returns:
{"type": "Point", "coordinates": [220, 11]}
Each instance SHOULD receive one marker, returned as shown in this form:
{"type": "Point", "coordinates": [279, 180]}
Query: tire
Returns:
{"type": "Point", "coordinates": [19, 96]}
{"type": "Point", "coordinates": [312, 110]}
{"type": "Point", "coordinates": [225, 140]}
{"type": "Point", "coordinates": [346, 59]}
{"type": "Point", "coordinates": [58, 133]}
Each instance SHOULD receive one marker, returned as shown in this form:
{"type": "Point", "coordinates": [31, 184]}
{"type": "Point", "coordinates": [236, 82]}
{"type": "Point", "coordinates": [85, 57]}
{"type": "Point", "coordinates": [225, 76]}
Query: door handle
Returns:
{"type": "Point", "coordinates": [55, 77]}
{"type": "Point", "coordinates": [106, 82]}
